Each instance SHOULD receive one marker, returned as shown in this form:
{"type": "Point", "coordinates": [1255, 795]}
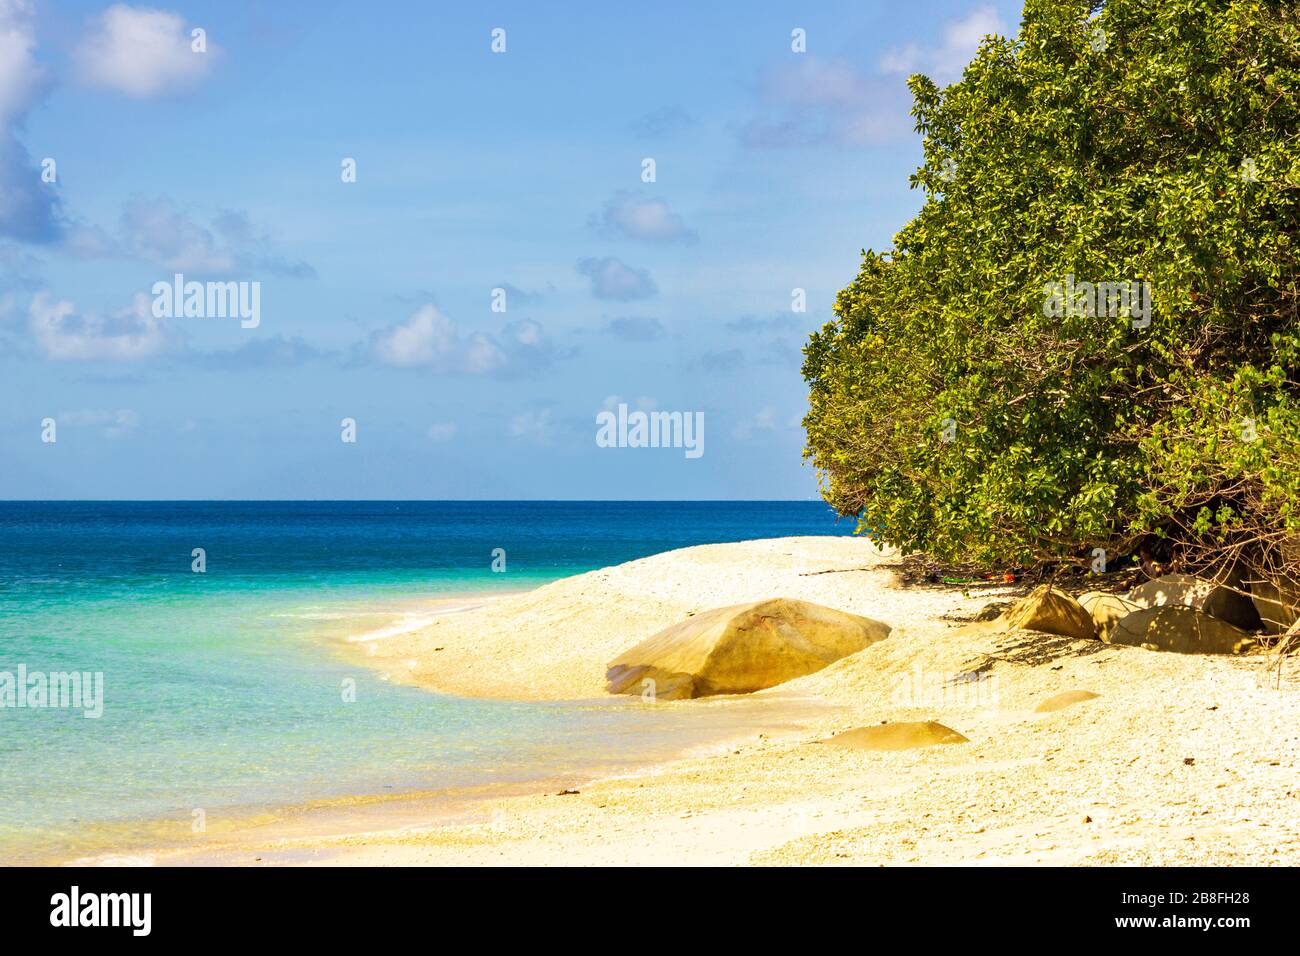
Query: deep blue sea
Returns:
{"type": "Point", "coordinates": [219, 693]}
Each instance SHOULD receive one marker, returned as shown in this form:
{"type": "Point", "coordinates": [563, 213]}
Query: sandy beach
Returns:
{"type": "Point", "coordinates": [1179, 759]}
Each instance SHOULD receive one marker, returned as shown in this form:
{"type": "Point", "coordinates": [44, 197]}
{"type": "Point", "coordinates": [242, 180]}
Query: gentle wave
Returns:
{"type": "Point", "coordinates": [409, 623]}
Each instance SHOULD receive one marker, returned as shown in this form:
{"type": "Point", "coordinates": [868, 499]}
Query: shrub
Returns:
{"type": "Point", "coordinates": [960, 406]}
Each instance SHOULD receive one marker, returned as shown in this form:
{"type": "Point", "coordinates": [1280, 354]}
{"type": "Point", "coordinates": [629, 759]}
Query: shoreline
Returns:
{"type": "Point", "coordinates": [552, 642]}
{"type": "Point", "coordinates": [1175, 759]}
{"type": "Point", "coordinates": [316, 831]}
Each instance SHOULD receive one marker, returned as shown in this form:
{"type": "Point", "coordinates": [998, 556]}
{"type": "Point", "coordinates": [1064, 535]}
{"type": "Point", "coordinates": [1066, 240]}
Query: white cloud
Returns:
{"type": "Point", "coordinates": [157, 230]}
{"type": "Point", "coordinates": [21, 79]}
{"type": "Point", "coordinates": [441, 431]}
{"type": "Point", "coordinates": [64, 334]}
{"type": "Point", "coordinates": [944, 63]}
{"type": "Point", "coordinates": [427, 337]}
{"type": "Point", "coordinates": [641, 217]}
{"type": "Point", "coordinates": [141, 52]}
{"type": "Point", "coordinates": [815, 101]}
{"type": "Point", "coordinates": [612, 278]}
{"type": "Point", "coordinates": [430, 339]}
{"type": "Point", "coordinates": [29, 208]}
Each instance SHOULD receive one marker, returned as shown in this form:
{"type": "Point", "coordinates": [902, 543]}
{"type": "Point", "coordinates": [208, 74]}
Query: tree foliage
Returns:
{"type": "Point", "coordinates": [1137, 140]}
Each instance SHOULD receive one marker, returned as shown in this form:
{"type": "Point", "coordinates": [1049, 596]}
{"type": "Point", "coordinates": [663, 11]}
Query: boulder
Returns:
{"type": "Point", "coordinates": [1063, 700]}
{"type": "Point", "coordinates": [1184, 630]}
{"type": "Point", "coordinates": [1106, 610]}
{"type": "Point", "coordinates": [1276, 600]}
{"type": "Point", "coordinates": [1051, 611]}
{"type": "Point", "coordinates": [1205, 594]}
{"type": "Point", "coordinates": [740, 649]}
{"type": "Point", "coordinates": [900, 736]}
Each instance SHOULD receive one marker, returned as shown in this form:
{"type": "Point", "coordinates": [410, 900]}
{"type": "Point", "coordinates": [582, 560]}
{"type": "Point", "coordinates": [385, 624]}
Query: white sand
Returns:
{"type": "Point", "coordinates": [1180, 760]}
{"type": "Point", "coordinates": [553, 643]}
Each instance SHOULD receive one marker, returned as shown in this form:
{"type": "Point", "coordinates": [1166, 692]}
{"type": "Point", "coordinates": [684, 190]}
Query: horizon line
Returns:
{"type": "Point", "coordinates": [409, 500]}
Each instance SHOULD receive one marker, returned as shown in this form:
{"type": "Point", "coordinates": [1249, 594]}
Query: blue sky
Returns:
{"type": "Point", "coordinates": [475, 171]}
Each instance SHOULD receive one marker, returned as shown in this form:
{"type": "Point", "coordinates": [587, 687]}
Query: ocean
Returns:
{"type": "Point", "coordinates": [220, 694]}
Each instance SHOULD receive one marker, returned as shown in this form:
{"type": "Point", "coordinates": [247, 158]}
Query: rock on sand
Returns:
{"type": "Point", "coordinates": [1106, 610]}
{"type": "Point", "coordinates": [1050, 611]}
{"type": "Point", "coordinates": [1225, 603]}
{"type": "Point", "coordinates": [740, 649]}
{"type": "Point", "coordinates": [1278, 602]}
{"type": "Point", "coordinates": [898, 736]}
{"type": "Point", "coordinates": [1184, 630]}
{"type": "Point", "coordinates": [1063, 700]}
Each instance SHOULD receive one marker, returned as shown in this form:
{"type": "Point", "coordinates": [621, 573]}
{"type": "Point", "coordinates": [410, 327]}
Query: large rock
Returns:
{"type": "Point", "coordinates": [1184, 630]}
{"type": "Point", "coordinates": [1277, 600]}
{"type": "Point", "coordinates": [1051, 611]}
{"type": "Point", "coordinates": [1211, 596]}
{"type": "Point", "coordinates": [740, 649]}
{"type": "Point", "coordinates": [899, 736]}
{"type": "Point", "coordinates": [1106, 610]}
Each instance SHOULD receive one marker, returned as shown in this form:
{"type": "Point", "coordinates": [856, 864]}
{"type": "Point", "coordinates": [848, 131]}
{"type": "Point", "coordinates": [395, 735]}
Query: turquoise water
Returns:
{"type": "Point", "coordinates": [219, 692]}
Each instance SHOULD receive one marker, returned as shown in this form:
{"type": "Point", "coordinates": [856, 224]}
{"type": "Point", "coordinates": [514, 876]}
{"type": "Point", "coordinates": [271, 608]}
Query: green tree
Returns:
{"type": "Point", "coordinates": [957, 408]}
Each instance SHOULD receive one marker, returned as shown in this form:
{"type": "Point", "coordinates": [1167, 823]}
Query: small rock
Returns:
{"type": "Point", "coordinates": [1189, 761]}
{"type": "Point", "coordinates": [900, 736]}
{"type": "Point", "coordinates": [568, 793]}
{"type": "Point", "coordinates": [992, 611]}
{"type": "Point", "coordinates": [1064, 699]}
